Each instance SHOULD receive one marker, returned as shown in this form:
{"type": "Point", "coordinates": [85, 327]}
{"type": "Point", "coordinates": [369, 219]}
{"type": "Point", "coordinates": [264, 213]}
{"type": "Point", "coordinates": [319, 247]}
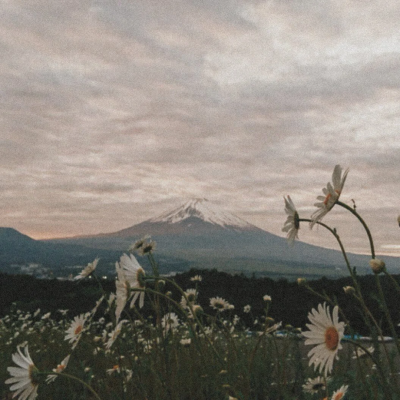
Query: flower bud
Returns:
{"type": "Point", "coordinates": [349, 290]}
{"type": "Point", "coordinates": [377, 265]}
{"type": "Point", "coordinates": [301, 281]}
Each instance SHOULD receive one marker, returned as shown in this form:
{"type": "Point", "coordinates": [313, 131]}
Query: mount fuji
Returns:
{"type": "Point", "coordinates": [199, 234]}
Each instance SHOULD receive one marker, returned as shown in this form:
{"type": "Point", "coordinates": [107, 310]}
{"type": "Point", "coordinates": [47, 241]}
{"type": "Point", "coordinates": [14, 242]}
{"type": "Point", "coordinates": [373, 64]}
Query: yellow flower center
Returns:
{"type": "Point", "coordinates": [60, 368]}
{"type": "Point", "coordinates": [331, 338]}
{"type": "Point", "coordinates": [78, 330]}
{"type": "Point", "coordinates": [139, 277]}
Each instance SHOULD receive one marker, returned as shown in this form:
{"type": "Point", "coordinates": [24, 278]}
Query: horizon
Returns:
{"type": "Point", "coordinates": [113, 113]}
{"type": "Point", "coordinates": [171, 211]}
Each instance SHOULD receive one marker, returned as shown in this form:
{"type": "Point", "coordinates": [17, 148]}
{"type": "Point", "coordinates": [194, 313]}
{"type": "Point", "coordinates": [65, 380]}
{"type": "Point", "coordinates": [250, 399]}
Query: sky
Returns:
{"type": "Point", "coordinates": [113, 112]}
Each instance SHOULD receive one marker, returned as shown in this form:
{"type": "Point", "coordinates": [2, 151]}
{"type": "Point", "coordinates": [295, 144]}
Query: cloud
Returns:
{"type": "Point", "coordinates": [117, 109]}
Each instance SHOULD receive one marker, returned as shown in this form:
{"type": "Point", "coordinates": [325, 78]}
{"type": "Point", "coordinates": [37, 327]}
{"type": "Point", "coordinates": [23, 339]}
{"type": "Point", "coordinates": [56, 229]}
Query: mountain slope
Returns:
{"type": "Point", "coordinates": [201, 234]}
{"type": "Point", "coordinates": [17, 248]}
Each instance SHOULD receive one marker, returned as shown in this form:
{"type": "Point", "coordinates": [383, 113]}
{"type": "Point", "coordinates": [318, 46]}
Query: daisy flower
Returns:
{"type": "Point", "coordinates": [135, 247]}
{"type": "Point", "coordinates": [220, 304]}
{"type": "Point", "coordinates": [247, 308]}
{"type": "Point", "coordinates": [134, 275]}
{"type": "Point", "coordinates": [339, 394]}
{"type": "Point", "coordinates": [114, 334]}
{"type": "Point", "coordinates": [315, 385]}
{"type": "Point", "coordinates": [190, 298]}
{"type": "Point", "coordinates": [60, 368]}
{"type": "Point", "coordinates": [325, 331]}
{"type": "Point", "coordinates": [331, 195]}
{"type": "Point", "coordinates": [147, 247]}
{"type": "Point", "coordinates": [359, 352]}
{"type": "Point", "coordinates": [198, 278]}
{"type": "Point", "coordinates": [170, 321]}
{"type": "Point", "coordinates": [87, 270]}
{"type": "Point", "coordinates": [115, 368]}
{"type": "Point", "coordinates": [122, 291]}
{"type": "Point", "coordinates": [74, 332]}
{"type": "Point", "coordinates": [24, 378]}
{"type": "Point", "coordinates": [377, 265]}
{"type": "Point", "coordinates": [292, 223]}
{"type": "Point", "coordinates": [143, 246]}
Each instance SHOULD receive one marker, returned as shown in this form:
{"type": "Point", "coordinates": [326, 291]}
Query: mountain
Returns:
{"type": "Point", "coordinates": [200, 234]}
{"type": "Point", "coordinates": [18, 249]}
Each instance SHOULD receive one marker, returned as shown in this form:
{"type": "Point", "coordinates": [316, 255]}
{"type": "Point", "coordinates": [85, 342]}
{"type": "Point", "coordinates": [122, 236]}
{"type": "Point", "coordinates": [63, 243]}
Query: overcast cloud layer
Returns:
{"type": "Point", "coordinates": [114, 111]}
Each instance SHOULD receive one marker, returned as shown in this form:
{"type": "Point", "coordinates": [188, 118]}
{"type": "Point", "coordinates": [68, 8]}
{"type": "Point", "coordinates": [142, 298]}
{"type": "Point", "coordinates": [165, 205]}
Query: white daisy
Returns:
{"type": "Point", "coordinates": [339, 394]}
{"type": "Point", "coordinates": [315, 385]}
{"type": "Point", "coordinates": [114, 334]}
{"type": "Point", "coordinates": [87, 270]}
{"type": "Point", "coordinates": [23, 378]}
{"type": "Point", "coordinates": [115, 368]}
{"type": "Point", "coordinates": [292, 223]}
{"type": "Point", "coordinates": [247, 308]}
{"type": "Point", "coordinates": [325, 332]}
{"type": "Point", "coordinates": [170, 321]}
{"type": "Point", "coordinates": [134, 275]}
{"type": "Point", "coordinates": [135, 247]}
{"type": "Point", "coordinates": [74, 332]}
{"type": "Point", "coordinates": [60, 368]}
{"type": "Point", "coordinates": [190, 298]}
{"type": "Point", "coordinates": [147, 247]}
{"type": "Point", "coordinates": [122, 291]}
{"type": "Point", "coordinates": [331, 195]}
{"type": "Point", "coordinates": [220, 304]}
{"type": "Point", "coordinates": [359, 352]}
{"type": "Point", "coordinates": [198, 278]}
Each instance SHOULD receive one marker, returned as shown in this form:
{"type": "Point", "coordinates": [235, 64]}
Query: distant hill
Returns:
{"type": "Point", "coordinates": [201, 235]}
{"type": "Point", "coordinates": [18, 249]}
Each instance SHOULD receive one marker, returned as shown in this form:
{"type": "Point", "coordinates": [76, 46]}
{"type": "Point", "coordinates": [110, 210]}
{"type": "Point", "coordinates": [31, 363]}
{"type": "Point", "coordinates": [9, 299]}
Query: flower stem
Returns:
{"type": "Point", "coordinates": [357, 215]}
{"type": "Point", "coordinates": [72, 377]}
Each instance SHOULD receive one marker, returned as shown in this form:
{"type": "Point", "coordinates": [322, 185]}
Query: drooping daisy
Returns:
{"type": "Point", "coordinates": [60, 368]}
{"type": "Point", "coordinates": [292, 223]}
{"type": "Point", "coordinates": [122, 290]}
{"type": "Point", "coordinates": [87, 270]}
{"type": "Point", "coordinates": [114, 369]}
{"type": "Point", "coordinates": [315, 385]}
{"type": "Point", "coordinates": [134, 275]}
{"type": "Point", "coordinates": [74, 332]}
{"type": "Point", "coordinates": [135, 247]}
{"type": "Point", "coordinates": [147, 247]}
{"type": "Point", "coordinates": [24, 377]}
{"type": "Point", "coordinates": [339, 394]}
{"type": "Point", "coordinates": [359, 352]}
{"type": "Point", "coordinates": [169, 321]}
{"type": "Point", "coordinates": [331, 195]}
{"type": "Point", "coordinates": [114, 334]}
{"type": "Point", "coordinates": [377, 265]}
{"type": "Point", "coordinates": [220, 304]}
{"type": "Point", "coordinates": [325, 333]}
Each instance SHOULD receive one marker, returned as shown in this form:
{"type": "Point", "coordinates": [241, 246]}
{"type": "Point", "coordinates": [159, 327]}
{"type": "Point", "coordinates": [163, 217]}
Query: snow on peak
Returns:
{"type": "Point", "coordinates": [206, 211]}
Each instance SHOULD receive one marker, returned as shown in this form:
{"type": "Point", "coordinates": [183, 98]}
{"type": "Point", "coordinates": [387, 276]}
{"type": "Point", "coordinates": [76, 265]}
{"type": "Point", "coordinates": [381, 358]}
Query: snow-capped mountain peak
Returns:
{"type": "Point", "coordinates": [204, 210]}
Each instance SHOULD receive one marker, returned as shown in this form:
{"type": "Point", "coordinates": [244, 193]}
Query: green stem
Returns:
{"type": "Point", "coordinates": [72, 377]}
{"type": "Point", "coordinates": [355, 213]}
